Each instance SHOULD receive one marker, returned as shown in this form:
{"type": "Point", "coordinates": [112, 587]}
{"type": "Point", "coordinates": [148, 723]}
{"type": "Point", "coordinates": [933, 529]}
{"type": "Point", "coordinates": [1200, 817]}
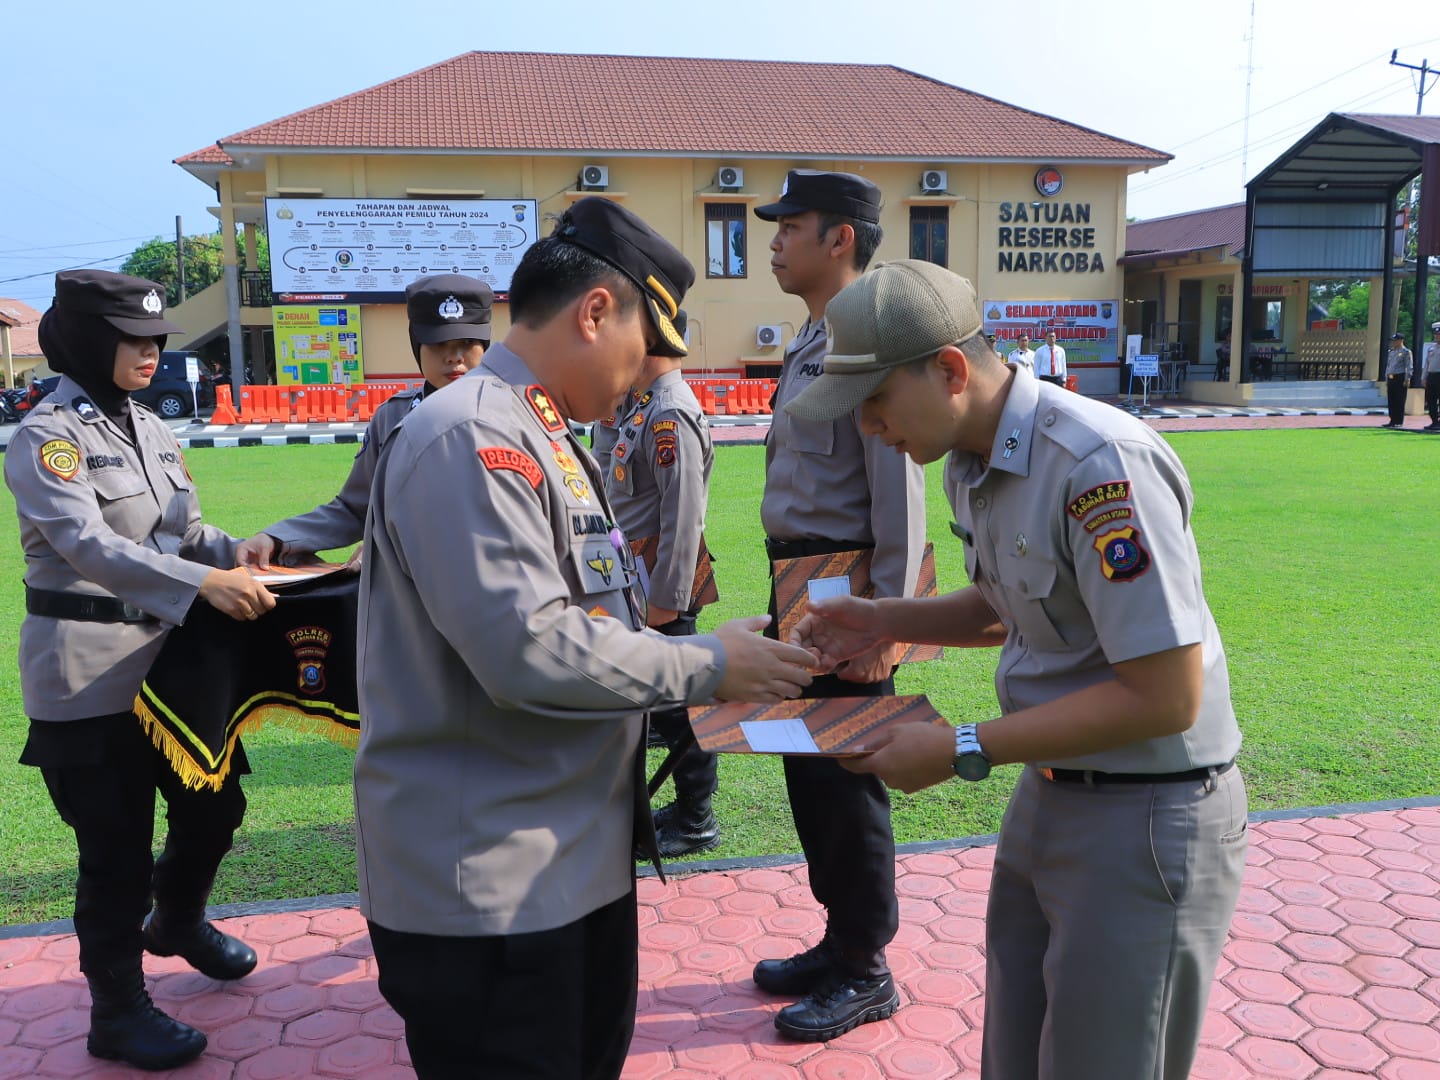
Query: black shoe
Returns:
{"type": "Point", "coordinates": [837, 1007]}
{"type": "Point", "coordinates": [126, 1026]}
{"type": "Point", "coordinates": [204, 948]}
{"type": "Point", "coordinates": [798, 974]}
{"type": "Point", "coordinates": [655, 741]}
{"type": "Point", "coordinates": [685, 834]}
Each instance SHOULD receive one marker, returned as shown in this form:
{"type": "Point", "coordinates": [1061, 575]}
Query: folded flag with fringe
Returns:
{"type": "Point", "coordinates": [217, 677]}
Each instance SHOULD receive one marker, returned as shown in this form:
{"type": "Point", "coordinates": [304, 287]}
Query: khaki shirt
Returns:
{"type": "Point", "coordinates": [103, 514]}
{"type": "Point", "coordinates": [1078, 536]}
{"type": "Point", "coordinates": [827, 481]}
{"type": "Point", "coordinates": [341, 521]}
{"type": "Point", "coordinates": [605, 433]}
{"type": "Point", "coordinates": [659, 483]}
{"type": "Point", "coordinates": [1399, 361]}
{"type": "Point", "coordinates": [502, 680]}
{"type": "Point", "coordinates": [1431, 355]}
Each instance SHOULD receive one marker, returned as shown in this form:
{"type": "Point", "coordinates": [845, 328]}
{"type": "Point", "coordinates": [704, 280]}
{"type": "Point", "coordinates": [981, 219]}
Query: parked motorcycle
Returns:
{"type": "Point", "coordinates": [13, 405]}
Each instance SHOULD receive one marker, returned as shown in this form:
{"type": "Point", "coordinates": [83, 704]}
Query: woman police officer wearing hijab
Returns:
{"type": "Point", "coordinates": [115, 554]}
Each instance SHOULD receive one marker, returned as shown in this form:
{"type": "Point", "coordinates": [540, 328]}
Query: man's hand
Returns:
{"type": "Point", "coordinates": [758, 669]}
{"type": "Point", "coordinates": [236, 593]}
{"type": "Point", "coordinates": [659, 616]}
{"type": "Point", "coordinates": [908, 756]}
{"type": "Point", "coordinates": [356, 557]}
{"type": "Point", "coordinates": [838, 629]}
{"type": "Point", "coordinates": [871, 666]}
{"type": "Point", "coordinates": [256, 552]}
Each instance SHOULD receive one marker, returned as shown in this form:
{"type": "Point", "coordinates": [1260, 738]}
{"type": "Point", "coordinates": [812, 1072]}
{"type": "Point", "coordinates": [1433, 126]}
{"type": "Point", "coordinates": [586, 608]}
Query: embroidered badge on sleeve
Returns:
{"type": "Point", "coordinates": [664, 451]}
{"type": "Point", "coordinates": [1115, 491]}
{"type": "Point", "coordinates": [508, 458]}
{"type": "Point", "coordinates": [1121, 556]}
{"type": "Point", "coordinates": [61, 457]}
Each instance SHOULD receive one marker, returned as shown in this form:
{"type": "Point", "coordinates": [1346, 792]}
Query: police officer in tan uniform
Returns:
{"type": "Point", "coordinates": [115, 554]}
{"type": "Point", "coordinates": [1121, 853]}
{"type": "Point", "coordinates": [829, 488]}
{"type": "Point", "coordinates": [449, 329]}
{"type": "Point", "coordinates": [658, 481]}
{"type": "Point", "coordinates": [504, 676]}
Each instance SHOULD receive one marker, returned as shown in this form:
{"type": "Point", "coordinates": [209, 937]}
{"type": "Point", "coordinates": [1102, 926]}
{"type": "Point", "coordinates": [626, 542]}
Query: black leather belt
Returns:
{"type": "Point", "coordinates": [804, 549]}
{"type": "Point", "coordinates": [63, 605]}
{"type": "Point", "coordinates": [1091, 777]}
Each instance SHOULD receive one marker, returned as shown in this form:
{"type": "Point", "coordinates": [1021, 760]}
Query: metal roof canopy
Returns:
{"type": "Point", "coordinates": [1325, 206]}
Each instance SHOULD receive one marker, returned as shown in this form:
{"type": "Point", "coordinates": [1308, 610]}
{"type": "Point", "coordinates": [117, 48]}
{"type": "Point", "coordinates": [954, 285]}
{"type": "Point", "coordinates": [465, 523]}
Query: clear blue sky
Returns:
{"type": "Point", "coordinates": [102, 97]}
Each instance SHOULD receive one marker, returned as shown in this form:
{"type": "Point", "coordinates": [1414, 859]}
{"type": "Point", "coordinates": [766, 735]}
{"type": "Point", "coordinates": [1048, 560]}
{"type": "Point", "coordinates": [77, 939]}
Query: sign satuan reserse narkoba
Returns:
{"type": "Point", "coordinates": [369, 250]}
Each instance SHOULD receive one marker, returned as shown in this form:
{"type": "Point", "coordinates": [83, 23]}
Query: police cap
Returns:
{"type": "Point", "coordinates": [610, 232]}
{"type": "Point", "coordinates": [829, 192]}
{"type": "Point", "coordinates": [132, 305]}
{"type": "Point", "coordinates": [448, 307]}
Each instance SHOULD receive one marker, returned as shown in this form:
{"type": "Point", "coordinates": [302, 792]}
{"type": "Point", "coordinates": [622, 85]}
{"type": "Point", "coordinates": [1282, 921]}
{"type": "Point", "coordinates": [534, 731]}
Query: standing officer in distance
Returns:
{"type": "Point", "coordinates": [658, 482]}
{"type": "Point", "coordinates": [449, 329]}
{"type": "Point", "coordinates": [505, 673]}
{"type": "Point", "coordinates": [1121, 853]}
{"type": "Point", "coordinates": [115, 556]}
{"type": "Point", "coordinates": [1430, 365]}
{"type": "Point", "coordinates": [1022, 354]}
{"type": "Point", "coordinates": [1050, 360]}
{"type": "Point", "coordinates": [1398, 362]}
{"type": "Point", "coordinates": [830, 489]}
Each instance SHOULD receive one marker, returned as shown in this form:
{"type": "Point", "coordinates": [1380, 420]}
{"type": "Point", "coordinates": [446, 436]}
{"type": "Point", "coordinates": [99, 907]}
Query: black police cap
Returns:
{"type": "Point", "coordinates": [829, 192]}
{"type": "Point", "coordinates": [449, 307]}
{"type": "Point", "coordinates": [132, 305]}
{"type": "Point", "coordinates": [612, 233]}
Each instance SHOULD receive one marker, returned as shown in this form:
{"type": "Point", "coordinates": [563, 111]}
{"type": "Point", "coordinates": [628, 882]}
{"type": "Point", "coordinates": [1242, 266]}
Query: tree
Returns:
{"type": "Point", "coordinates": [204, 262]}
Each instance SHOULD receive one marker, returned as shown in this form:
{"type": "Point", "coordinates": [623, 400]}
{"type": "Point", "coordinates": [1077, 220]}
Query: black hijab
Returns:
{"type": "Point", "coordinates": [82, 346]}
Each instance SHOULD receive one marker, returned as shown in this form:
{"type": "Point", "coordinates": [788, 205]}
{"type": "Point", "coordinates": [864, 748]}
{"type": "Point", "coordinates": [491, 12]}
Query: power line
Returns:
{"type": "Point", "coordinates": [78, 266]}
{"type": "Point", "coordinates": [82, 243]}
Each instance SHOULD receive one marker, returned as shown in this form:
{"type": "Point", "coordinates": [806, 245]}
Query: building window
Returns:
{"type": "Point", "coordinates": [725, 240]}
{"type": "Point", "coordinates": [930, 234]}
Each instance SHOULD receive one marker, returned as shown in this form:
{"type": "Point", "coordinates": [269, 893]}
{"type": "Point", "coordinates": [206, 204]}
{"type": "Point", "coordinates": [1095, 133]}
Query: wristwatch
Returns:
{"type": "Point", "coordinates": [970, 760]}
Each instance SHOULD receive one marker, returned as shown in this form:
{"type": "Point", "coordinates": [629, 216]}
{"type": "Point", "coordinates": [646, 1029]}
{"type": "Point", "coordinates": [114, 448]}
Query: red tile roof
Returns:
{"type": "Point", "coordinates": [515, 102]}
{"type": "Point", "coordinates": [1179, 234]}
{"type": "Point", "coordinates": [24, 323]}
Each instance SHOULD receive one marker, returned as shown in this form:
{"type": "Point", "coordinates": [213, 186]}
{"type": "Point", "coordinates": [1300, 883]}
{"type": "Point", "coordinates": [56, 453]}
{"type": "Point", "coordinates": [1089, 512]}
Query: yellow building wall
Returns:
{"type": "Point", "coordinates": [671, 194]}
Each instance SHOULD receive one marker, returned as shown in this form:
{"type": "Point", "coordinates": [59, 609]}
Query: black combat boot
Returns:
{"type": "Point", "coordinates": [690, 827]}
{"type": "Point", "coordinates": [126, 1026]}
{"type": "Point", "coordinates": [202, 946]}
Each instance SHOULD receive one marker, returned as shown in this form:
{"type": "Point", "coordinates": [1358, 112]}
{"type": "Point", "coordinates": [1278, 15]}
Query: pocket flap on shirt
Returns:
{"type": "Point", "coordinates": [113, 483]}
{"type": "Point", "coordinates": [1033, 579]}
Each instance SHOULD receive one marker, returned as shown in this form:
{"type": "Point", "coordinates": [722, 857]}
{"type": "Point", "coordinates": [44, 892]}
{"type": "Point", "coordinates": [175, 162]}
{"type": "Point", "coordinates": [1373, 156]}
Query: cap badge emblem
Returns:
{"type": "Point", "coordinates": [785, 187]}
{"type": "Point", "coordinates": [450, 308]}
{"type": "Point", "coordinates": [152, 303]}
{"type": "Point", "coordinates": [1021, 544]}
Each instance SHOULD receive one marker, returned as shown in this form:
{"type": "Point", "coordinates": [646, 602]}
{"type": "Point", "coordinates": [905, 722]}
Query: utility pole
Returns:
{"type": "Point", "coordinates": [1425, 72]}
{"type": "Point", "coordinates": [179, 260]}
{"type": "Point", "coordinates": [1249, 78]}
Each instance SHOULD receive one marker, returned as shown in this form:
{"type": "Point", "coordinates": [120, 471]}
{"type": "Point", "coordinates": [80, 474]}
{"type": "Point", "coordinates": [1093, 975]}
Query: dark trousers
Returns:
{"type": "Point", "coordinates": [1432, 396]}
{"type": "Point", "coordinates": [1058, 380]}
{"type": "Point", "coordinates": [1396, 387]}
{"type": "Point", "coordinates": [843, 822]}
{"type": "Point", "coordinates": [696, 774]}
{"type": "Point", "coordinates": [109, 801]}
{"type": "Point", "coordinates": [555, 1004]}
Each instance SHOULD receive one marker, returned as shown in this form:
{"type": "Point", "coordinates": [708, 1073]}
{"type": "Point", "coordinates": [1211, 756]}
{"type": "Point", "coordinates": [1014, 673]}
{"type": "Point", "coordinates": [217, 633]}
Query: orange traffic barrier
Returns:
{"type": "Point", "coordinates": [224, 408]}
{"type": "Point", "coordinates": [767, 391]}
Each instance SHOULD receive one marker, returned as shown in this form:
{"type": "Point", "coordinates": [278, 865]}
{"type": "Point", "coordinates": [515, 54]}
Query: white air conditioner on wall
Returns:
{"type": "Point", "coordinates": [934, 180]}
{"type": "Point", "coordinates": [730, 178]}
{"type": "Point", "coordinates": [768, 336]}
{"type": "Point", "coordinates": [594, 178]}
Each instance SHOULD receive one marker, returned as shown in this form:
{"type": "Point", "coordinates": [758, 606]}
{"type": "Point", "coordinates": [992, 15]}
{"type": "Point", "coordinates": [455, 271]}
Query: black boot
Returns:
{"type": "Point", "coordinates": [690, 827]}
{"type": "Point", "coordinates": [204, 948]}
{"type": "Point", "coordinates": [126, 1026]}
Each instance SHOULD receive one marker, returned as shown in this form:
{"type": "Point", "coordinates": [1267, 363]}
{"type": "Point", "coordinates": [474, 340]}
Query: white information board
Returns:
{"type": "Point", "coordinates": [1146, 366]}
{"type": "Point", "coordinates": [369, 250]}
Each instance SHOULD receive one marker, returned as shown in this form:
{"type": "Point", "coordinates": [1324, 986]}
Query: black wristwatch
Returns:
{"type": "Point", "coordinates": [970, 760]}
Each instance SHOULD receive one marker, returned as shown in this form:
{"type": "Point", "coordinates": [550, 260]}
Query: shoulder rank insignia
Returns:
{"type": "Point", "coordinates": [61, 457]}
{"type": "Point", "coordinates": [512, 460]}
{"type": "Point", "coordinates": [1121, 556]}
{"type": "Point", "coordinates": [540, 402]}
{"type": "Point", "coordinates": [644, 399]}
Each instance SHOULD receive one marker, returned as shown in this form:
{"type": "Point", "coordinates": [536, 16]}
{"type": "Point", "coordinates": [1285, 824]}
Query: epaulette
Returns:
{"type": "Point", "coordinates": [1067, 431]}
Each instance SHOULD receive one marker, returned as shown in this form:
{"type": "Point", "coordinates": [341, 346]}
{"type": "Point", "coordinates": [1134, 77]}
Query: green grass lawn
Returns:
{"type": "Point", "coordinates": [1318, 550]}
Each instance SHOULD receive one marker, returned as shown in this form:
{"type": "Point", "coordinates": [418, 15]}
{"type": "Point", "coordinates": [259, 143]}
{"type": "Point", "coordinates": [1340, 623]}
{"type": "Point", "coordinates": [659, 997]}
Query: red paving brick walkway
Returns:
{"type": "Point", "coordinates": [1332, 971]}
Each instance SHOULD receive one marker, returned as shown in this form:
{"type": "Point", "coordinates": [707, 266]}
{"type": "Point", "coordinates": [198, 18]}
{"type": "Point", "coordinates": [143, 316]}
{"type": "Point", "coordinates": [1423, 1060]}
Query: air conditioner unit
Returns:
{"type": "Point", "coordinates": [934, 180]}
{"type": "Point", "coordinates": [768, 336]}
{"type": "Point", "coordinates": [594, 178]}
{"type": "Point", "coordinates": [730, 178]}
